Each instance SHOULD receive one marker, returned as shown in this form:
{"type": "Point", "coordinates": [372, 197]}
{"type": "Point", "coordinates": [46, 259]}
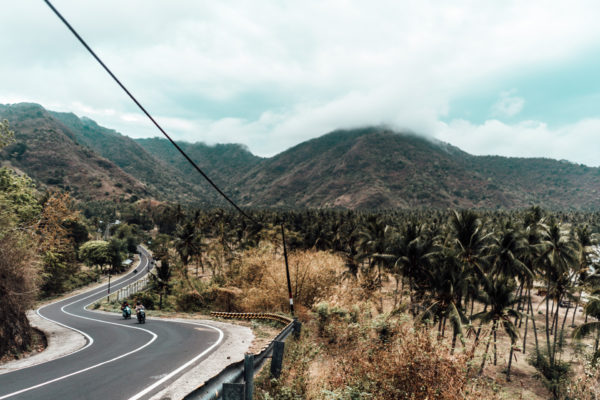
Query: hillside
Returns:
{"type": "Point", "coordinates": [358, 169]}
{"type": "Point", "coordinates": [49, 152]}
{"type": "Point", "coordinates": [379, 168]}
{"type": "Point", "coordinates": [161, 178]}
{"type": "Point", "coordinates": [224, 163]}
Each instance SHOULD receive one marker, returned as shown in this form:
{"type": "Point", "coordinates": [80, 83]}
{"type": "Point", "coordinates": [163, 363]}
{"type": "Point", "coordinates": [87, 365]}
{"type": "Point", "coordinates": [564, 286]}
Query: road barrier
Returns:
{"type": "Point", "coordinates": [130, 289]}
{"type": "Point", "coordinates": [227, 384]}
{"type": "Point", "coordinates": [269, 316]}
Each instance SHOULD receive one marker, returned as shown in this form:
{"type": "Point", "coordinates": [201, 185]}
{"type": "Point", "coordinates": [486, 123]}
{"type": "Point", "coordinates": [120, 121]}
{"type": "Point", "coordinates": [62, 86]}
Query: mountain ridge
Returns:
{"type": "Point", "coordinates": [370, 167]}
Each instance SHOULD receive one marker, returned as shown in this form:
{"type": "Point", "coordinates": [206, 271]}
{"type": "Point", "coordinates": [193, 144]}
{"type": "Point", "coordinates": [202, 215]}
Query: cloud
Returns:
{"type": "Point", "coordinates": [508, 105]}
{"type": "Point", "coordinates": [304, 68]}
{"type": "Point", "coordinates": [575, 142]}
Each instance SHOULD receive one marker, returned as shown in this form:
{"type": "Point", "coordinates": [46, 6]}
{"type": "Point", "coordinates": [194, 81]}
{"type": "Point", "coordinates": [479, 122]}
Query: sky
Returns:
{"type": "Point", "coordinates": [512, 78]}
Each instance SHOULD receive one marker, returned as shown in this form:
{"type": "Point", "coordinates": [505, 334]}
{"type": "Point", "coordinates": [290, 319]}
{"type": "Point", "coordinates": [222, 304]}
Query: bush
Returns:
{"type": "Point", "coordinates": [189, 302]}
{"type": "Point", "coordinates": [147, 299]}
{"type": "Point", "coordinates": [556, 376]}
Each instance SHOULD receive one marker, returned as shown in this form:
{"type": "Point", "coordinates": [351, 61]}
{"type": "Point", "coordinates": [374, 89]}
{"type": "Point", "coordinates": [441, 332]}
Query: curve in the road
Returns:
{"type": "Point", "coordinates": [166, 354]}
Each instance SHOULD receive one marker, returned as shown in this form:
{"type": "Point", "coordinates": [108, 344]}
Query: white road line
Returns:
{"type": "Point", "coordinates": [184, 366]}
{"type": "Point", "coordinates": [154, 337]}
{"type": "Point", "coordinates": [88, 337]}
{"type": "Point", "coordinates": [90, 341]}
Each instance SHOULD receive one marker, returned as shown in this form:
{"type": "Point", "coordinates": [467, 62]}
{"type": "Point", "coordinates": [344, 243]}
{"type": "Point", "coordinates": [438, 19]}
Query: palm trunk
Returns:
{"type": "Point", "coordinates": [537, 344]}
{"type": "Point", "coordinates": [555, 323]}
{"type": "Point", "coordinates": [487, 347]}
{"type": "Point", "coordinates": [548, 343]}
{"type": "Point", "coordinates": [576, 307]}
{"type": "Point", "coordinates": [526, 325]}
{"type": "Point", "coordinates": [444, 327]}
{"type": "Point", "coordinates": [562, 328]}
{"type": "Point", "coordinates": [479, 328]}
{"type": "Point", "coordinates": [453, 343]}
{"type": "Point", "coordinates": [510, 358]}
{"type": "Point", "coordinates": [495, 341]}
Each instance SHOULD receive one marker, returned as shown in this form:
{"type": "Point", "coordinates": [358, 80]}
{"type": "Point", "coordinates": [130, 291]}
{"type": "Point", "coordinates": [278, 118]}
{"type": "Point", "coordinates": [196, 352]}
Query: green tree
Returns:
{"type": "Point", "coordinates": [95, 253]}
{"type": "Point", "coordinates": [499, 294]}
{"type": "Point", "coordinates": [6, 135]}
{"type": "Point", "coordinates": [161, 279]}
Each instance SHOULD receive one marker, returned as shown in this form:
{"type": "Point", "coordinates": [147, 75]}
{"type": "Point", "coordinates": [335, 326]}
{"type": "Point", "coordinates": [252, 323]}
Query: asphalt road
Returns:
{"type": "Point", "coordinates": [121, 360]}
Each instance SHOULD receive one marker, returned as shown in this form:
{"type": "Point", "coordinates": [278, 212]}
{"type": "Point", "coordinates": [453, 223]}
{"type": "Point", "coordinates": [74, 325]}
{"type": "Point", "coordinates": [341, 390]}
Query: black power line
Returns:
{"type": "Point", "coordinates": [132, 97]}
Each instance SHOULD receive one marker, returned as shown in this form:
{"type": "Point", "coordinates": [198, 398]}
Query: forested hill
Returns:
{"type": "Point", "coordinates": [360, 168]}
{"type": "Point", "coordinates": [375, 167]}
{"type": "Point", "coordinates": [50, 153]}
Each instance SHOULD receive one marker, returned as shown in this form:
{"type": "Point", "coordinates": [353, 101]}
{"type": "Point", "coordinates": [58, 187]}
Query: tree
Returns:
{"type": "Point", "coordinates": [116, 248]}
{"type": "Point", "coordinates": [6, 135]}
{"type": "Point", "coordinates": [18, 271]}
{"type": "Point", "coordinates": [499, 295]}
{"type": "Point", "coordinates": [160, 279]}
{"type": "Point", "coordinates": [95, 252]}
{"type": "Point", "coordinates": [57, 243]}
{"type": "Point", "coordinates": [557, 261]}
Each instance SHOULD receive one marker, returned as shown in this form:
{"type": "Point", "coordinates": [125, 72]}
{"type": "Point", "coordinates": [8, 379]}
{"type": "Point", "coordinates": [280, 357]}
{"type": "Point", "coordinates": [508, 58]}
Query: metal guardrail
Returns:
{"type": "Point", "coordinates": [130, 289]}
{"type": "Point", "coordinates": [234, 373]}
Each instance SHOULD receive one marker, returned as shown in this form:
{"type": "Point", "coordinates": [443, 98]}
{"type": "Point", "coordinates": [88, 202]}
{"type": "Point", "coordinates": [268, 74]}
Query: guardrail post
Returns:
{"type": "Point", "coordinates": [297, 328]}
{"type": "Point", "coordinates": [277, 358]}
{"type": "Point", "coordinates": [233, 391]}
{"type": "Point", "coordinates": [249, 375]}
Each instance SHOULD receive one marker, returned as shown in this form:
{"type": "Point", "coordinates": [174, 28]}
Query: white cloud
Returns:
{"type": "Point", "coordinates": [508, 105]}
{"type": "Point", "coordinates": [333, 64]}
{"type": "Point", "coordinates": [575, 142]}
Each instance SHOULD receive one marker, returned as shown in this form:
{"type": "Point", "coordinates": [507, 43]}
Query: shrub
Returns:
{"type": "Point", "coordinates": [147, 299]}
{"type": "Point", "coordinates": [189, 302]}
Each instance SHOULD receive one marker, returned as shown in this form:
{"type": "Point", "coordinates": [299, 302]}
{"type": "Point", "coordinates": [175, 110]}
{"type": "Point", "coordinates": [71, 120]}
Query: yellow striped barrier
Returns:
{"type": "Point", "coordinates": [269, 316]}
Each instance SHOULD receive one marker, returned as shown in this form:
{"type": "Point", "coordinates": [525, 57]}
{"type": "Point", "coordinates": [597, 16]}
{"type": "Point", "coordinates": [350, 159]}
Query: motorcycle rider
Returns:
{"type": "Point", "coordinates": [139, 306]}
{"type": "Point", "coordinates": [140, 312]}
{"type": "Point", "coordinates": [125, 309]}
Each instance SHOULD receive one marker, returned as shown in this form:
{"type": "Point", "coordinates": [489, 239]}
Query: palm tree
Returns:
{"type": "Point", "coordinates": [587, 243]}
{"type": "Point", "coordinates": [413, 251]}
{"type": "Point", "coordinates": [186, 242]}
{"type": "Point", "coordinates": [446, 281]}
{"type": "Point", "coordinates": [592, 308]}
{"type": "Point", "coordinates": [499, 294]}
{"type": "Point", "coordinates": [160, 279]}
{"type": "Point", "coordinates": [558, 258]}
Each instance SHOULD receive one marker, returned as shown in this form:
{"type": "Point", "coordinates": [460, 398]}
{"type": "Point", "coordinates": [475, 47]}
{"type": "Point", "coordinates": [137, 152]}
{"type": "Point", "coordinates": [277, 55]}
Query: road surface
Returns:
{"type": "Point", "coordinates": [121, 360]}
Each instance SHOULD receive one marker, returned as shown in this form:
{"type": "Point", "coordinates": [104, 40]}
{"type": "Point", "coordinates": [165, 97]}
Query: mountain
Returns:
{"type": "Point", "coordinates": [372, 167]}
{"type": "Point", "coordinates": [49, 152]}
{"type": "Point", "coordinates": [223, 163]}
{"type": "Point", "coordinates": [378, 168]}
{"type": "Point", "coordinates": [162, 179]}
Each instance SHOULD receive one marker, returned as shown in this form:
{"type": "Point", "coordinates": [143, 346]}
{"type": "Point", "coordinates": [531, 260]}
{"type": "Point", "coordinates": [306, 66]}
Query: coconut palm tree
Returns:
{"type": "Point", "coordinates": [557, 260]}
{"type": "Point", "coordinates": [592, 308]}
{"type": "Point", "coordinates": [499, 294]}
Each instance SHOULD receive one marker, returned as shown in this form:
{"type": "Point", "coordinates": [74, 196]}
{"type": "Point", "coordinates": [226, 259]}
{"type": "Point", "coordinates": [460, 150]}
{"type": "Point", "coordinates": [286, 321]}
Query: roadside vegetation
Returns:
{"type": "Point", "coordinates": [423, 304]}
{"type": "Point", "coordinates": [418, 304]}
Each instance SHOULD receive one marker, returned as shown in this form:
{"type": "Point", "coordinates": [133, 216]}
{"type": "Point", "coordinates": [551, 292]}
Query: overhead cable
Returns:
{"type": "Point", "coordinates": [132, 97]}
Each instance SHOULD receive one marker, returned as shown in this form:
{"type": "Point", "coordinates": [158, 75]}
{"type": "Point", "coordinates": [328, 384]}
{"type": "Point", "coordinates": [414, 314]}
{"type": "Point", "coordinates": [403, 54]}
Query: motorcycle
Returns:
{"type": "Point", "coordinates": [126, 312]}
{"type": "Point", "coordinates": [141, 316]}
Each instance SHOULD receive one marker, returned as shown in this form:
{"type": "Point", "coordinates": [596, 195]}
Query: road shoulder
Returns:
{"type": "Point", "coordinates": [61, 342]}
{"type": "Point", "coordinates": [236, 342]}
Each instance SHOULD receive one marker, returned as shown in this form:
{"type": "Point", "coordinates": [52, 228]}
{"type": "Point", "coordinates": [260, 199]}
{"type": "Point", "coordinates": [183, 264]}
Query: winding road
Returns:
{"type": "Point", "coordinates": [121, 360]}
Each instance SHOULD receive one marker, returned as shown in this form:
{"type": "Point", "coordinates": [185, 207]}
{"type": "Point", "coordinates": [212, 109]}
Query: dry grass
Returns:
{"type": "Point", "coordinates": [258, 281]}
